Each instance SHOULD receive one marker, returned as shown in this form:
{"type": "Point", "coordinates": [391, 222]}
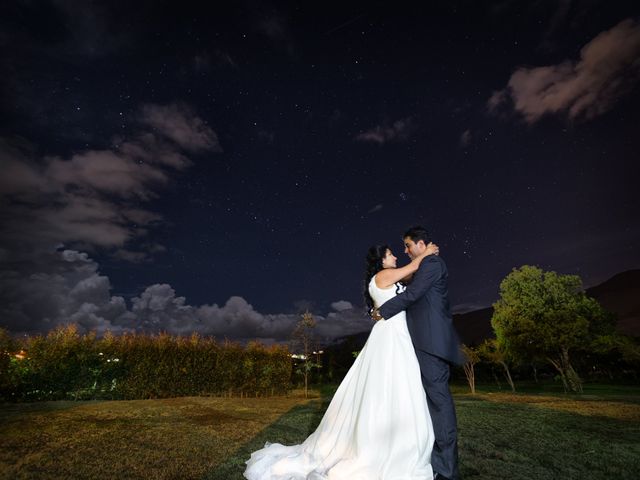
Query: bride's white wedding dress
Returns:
{"type": "Point", "coordinates": [377, 425]}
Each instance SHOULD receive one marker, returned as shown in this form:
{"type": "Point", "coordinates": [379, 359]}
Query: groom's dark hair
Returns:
{"type": "Point", "coordinates": [418, 233]}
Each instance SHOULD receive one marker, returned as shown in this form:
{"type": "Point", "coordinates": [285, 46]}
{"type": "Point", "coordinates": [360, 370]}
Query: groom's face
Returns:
{"type": "Point", "coordinates": [413, 249]}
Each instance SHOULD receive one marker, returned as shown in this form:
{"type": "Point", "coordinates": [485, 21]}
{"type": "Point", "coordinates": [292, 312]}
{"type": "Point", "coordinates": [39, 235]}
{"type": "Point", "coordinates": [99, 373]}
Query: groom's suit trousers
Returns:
{"type": "Point", "coordinates": [435, 379]}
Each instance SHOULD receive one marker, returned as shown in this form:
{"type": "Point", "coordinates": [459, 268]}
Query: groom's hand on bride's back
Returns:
{"type": "Point", "coordinates": [375, 315]}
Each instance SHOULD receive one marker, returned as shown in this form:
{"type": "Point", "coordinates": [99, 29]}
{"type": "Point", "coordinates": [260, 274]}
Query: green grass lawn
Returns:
{"type": "Point", "coordinates": [176, 438]}
{"type": "Point", "coordinates": [627, 392]}
{"type": "Point", "coordinates": [502, 436]}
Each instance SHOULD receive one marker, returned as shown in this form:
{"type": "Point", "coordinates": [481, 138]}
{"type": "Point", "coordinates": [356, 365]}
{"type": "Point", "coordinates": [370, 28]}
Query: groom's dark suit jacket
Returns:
{"type": "Point", "coordinates": [429, 320]}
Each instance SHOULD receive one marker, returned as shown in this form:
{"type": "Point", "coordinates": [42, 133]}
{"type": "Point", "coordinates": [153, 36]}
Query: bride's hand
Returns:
{"type": "Point", "coordinates": [432, 249]}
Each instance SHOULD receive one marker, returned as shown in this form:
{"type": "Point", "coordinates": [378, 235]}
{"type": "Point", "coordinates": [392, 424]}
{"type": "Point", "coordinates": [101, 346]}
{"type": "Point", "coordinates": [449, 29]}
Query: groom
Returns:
{"type": "Point", "coordinates": [436, 344]}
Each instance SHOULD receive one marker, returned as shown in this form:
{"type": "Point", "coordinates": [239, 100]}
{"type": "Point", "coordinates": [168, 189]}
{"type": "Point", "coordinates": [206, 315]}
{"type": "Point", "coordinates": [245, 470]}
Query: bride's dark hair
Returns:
{"type": "Point", "coordinates": [375, 255]}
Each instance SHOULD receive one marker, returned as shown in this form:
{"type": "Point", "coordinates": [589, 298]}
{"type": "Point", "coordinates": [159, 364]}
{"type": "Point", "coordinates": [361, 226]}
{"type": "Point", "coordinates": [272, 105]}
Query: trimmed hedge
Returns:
{"type": "Point", "coordinates": [67, 365]}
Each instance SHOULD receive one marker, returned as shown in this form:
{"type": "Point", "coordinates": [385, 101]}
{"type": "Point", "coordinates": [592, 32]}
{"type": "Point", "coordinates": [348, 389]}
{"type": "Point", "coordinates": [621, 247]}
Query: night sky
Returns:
{"type": "Point", "coordinates": [219, 168]}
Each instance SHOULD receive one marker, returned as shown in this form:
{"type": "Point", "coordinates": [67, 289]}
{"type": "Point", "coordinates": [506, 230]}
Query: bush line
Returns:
{"type": "Point", "coordinates": [65, 364]}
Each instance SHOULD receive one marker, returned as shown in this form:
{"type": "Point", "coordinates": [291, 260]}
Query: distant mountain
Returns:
{"type": "Point", "coordinates": [473, 327]}
{"type": "Point", "coordinates": [620, 295]}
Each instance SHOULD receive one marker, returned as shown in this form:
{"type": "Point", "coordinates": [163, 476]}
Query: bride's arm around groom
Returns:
{"type": "Point", "coordinates": [427, 274]}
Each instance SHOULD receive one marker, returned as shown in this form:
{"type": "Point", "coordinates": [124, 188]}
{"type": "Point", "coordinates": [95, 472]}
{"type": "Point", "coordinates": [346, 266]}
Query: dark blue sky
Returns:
{"type": "Point", "coordinates": [257, 150]}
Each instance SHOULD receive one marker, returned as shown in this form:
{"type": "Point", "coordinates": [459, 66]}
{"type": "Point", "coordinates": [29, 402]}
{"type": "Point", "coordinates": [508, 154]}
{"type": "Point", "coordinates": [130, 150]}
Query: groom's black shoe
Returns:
{"type": "Point", "coordinates": [437, 476]}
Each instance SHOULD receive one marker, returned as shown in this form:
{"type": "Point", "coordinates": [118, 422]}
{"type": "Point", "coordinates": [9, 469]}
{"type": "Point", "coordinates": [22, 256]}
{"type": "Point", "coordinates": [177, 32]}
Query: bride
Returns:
{"type": "Point", "coordinates": [377, 426]}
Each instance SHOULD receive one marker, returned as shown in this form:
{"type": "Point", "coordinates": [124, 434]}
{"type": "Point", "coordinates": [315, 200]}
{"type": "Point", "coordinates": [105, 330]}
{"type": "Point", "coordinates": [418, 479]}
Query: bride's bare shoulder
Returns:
{"type": "Point", "coordinates": [381, 281]}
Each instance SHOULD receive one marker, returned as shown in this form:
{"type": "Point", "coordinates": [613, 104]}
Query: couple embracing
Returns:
{"type": "Point", "coordinates": [392, 417]}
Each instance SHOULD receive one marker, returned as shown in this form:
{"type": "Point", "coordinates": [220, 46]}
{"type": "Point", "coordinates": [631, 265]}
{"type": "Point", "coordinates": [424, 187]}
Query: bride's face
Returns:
{"type": "Point", "coordinates": [389, 260]}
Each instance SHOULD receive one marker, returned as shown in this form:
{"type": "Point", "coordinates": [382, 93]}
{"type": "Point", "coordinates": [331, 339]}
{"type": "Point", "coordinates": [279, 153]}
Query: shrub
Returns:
{"type": "Point", "coordinates": [67, 365]}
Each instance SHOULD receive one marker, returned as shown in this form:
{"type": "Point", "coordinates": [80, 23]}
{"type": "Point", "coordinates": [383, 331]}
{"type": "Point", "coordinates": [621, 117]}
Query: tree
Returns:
{"type": "Point", "coordinates": [302, 338]}
{"type": "Point", "coordinates": [494, 352]}
{"type": "Point", "coordinates": [545, 316]}
{"type": "Point", "coordinates": [8, 364]}
{"type": "Point", "coordinates": [469, 366]}
{"type": "Point", "coordinates": [615, 350]}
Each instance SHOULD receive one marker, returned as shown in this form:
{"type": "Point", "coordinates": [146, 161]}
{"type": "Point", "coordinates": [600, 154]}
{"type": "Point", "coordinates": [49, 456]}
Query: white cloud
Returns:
{"type": "Point", "coordinates": [202, 62]}
{"type": "Point", "coordinates": [340, 324]}
{"type": "Point", "coordinates": [131, 256]}
{"type": "Point", "coordinates": [70, 289]}
{"type": "Point", "coordinates": [341, 305]}
{"type": "Point", "coordinates": [608, 68]}
{"type": "Point", "coordinates": [401, 130]}
{"type": "Point", "coordinates": [95, 197]}
{"type": "Point", "coordinates": [52, 205]}
{"type": "Point", "coordinates": [273, 26]}
{"type": "Point", "coordinates": [178, 122]}
{"type": "Point", "coordinates": [56, 288]}
{"type": "Point", "coordinates": [104, 171]}
{"type": "Point", "coordinates": [465, 138]}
